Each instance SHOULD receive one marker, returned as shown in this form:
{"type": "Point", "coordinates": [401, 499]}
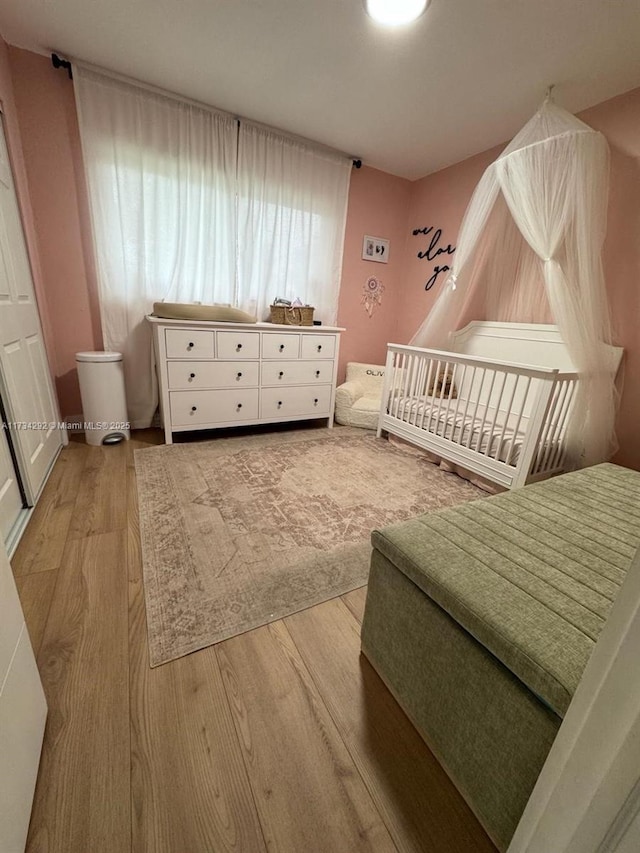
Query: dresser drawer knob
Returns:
{"type": "Point", "coordinates": [279, 403]}
{"type": "Point", "coordinates": [239, 405]}
{"type": "Point", "coordinates": [239, 375]}
{"type": "Point", "coordinates": [281, 374]}
{"type": "Point", "coordinates": [194, 408]}
{"type": "Point", "coordinates": [239, 347]}
{"type": "Point", "coordinates": [319, 347]}
{"type": "Point", "coordinates": [281, 347]}
{"type": "Point", "coordinates": [190, 345]}
{"type": "Point", "coordinates": [192, 376]}
{"type": "Point", "coordinates": [315, 402]}
{"type": "Point", "coordinates": [317, 373]}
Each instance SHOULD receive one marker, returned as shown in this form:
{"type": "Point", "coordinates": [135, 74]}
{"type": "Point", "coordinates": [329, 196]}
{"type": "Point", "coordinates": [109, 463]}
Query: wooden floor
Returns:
{"type": "Point", "coordinates": [282, 739]}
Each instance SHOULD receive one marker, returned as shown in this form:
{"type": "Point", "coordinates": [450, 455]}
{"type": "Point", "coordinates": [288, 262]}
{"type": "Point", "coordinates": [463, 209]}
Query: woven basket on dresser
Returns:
{"type": "Point", "coordinates": [286, 316]}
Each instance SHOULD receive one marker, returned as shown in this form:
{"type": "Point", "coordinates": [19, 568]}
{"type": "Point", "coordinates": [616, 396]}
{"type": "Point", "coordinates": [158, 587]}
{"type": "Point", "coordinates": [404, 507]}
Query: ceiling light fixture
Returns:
{"type": "Point", "coordinates": [394, 13]}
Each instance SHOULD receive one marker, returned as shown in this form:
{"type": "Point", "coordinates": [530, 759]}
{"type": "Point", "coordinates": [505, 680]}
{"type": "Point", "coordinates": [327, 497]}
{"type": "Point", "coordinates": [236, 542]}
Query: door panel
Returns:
{"type": "Point", "coordinates": [23, 712]}
{"type": "Point", "coordinates": [28, 392]}
{"type": "Point", "coordinates": [10, 497]}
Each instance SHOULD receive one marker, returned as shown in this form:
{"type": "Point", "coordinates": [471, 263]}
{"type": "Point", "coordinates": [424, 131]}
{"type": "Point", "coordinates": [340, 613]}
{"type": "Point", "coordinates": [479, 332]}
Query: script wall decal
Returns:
{"type": "Point", "coordinates": [433, 252]}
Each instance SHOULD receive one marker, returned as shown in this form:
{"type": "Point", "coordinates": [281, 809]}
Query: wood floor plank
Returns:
{"type": "Point", "coordinates": [82, 800]}
{"type": "Point", "coordinates": [36, 594]}
{"type": "Point", "coordinates": [190, 790]}
{"type": "Point", "coordinates": [418, 802]}
{"type": "Point", "coordinates": [100, 504]}
{"type": "Point", "coordinates": [308, 793]}
{"type": "Point", "coordinates": [43, 541]}
{"type": "Point", "coordinates": [355, 601]}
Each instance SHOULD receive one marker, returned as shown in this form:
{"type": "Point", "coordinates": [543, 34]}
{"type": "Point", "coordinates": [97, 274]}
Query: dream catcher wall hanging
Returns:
{"type": "Point", "coordinates": [372, 291]}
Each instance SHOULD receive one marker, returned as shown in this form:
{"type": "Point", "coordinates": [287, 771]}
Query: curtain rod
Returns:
{"type": "Point", "coordinates": [58, 62]}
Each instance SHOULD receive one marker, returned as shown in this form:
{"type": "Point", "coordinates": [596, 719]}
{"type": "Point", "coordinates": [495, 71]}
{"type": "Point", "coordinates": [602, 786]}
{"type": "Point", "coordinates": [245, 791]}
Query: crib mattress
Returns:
{"type": "Point", "coordinates": [531, 574]}
{"type": "Point", "coordinates": [468, 427]}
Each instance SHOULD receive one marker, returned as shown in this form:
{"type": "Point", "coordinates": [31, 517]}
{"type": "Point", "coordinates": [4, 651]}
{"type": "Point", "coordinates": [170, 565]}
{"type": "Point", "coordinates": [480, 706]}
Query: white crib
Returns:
{"type": "Point", "coordinates": [505, 413]}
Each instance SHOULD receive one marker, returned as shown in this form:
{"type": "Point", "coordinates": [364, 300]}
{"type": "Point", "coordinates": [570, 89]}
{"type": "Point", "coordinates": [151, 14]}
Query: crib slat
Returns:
{"type": "Point", "coordinates": [445, 396]}
{"type": "Point", "coordinates": [506, 418]}
{"type": "Point", "coordinates": [563, 449]}
{"type": "Point", "coordinates": [410, 385]}
{"type": "Point", "coordinates": [486, 409]}
{"type": "Point", "coordinates": [466, 408]}
{"type": "Point", "coordinates": [415, 392]}
{"type": "Point", "coordinates": [402, 385]}
{"type": "Point", "coordinates": [397, 378]}
{"type": "Point", "coordinates": [542, 450]}
{"type": "Point", "coordinates": [519, 420]}
{"type": "Point", "coordinates": [420, 387]}
{"type": "Point", "coordinates": [426, 388]}
{"type": "Point", "coordinates": [547, 437]}
{"type": "Point", "coordinates": [475, 411]}
{"type": "Point", "coordinates": [443, 373]}
{"type": "Point", "coordinates": [557, 437]}
{"type": "Point", "coordinates": [391, 402]}
{"type": "Point", "coordinates": [432, 404]}
{"type": "Point", "coordinates": [460, 386]}
{"type": "Point", "coordinates": [495, 420]}
{"type": "Point", "coordinates": [557, 459]}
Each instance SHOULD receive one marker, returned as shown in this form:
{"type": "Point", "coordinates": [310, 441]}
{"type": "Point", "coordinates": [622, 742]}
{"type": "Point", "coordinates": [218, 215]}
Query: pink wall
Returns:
{"type": "Point", "coordinates": [14, 143]}
{"type": "Point", "coordinates": [619, 120]}
{"type": "Point", "coordinates": [378, 205]}
{"type": "Point", "coordinates": [51, 143]}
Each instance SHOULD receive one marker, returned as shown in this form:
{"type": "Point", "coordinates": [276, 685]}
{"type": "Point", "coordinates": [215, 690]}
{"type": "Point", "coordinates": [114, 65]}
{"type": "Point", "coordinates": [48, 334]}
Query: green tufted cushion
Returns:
{"type": "Point", "coordinates": [532, 573]}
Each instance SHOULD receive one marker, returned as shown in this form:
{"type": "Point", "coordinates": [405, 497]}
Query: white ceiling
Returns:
{"type": "Point", "coordinates": [409, 101]}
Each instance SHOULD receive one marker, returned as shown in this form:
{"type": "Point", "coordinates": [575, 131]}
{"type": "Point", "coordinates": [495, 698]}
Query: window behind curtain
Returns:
{"type": "Point", "coordinates": [292, 201]}
{"type": "Point", "coordinates": [188, 206]}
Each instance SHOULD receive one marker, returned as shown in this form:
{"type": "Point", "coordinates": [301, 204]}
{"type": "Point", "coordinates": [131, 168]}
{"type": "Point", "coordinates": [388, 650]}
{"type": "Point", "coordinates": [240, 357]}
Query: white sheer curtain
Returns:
{"type": "Point", "coordinates": [553, 178]}
{"type": "Point", "coordinates": [161, 180]}
{"type": "Point", "coordinates": [187, 207]}
{"type": "Point", "coordinates": [292, 208]}
{"type": "Point", "coordinates": [555, 216]}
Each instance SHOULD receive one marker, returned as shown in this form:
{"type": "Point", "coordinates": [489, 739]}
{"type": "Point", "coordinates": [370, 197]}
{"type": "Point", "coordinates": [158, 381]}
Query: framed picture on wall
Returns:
{"type": "Point", "coordinates": [375, 249]}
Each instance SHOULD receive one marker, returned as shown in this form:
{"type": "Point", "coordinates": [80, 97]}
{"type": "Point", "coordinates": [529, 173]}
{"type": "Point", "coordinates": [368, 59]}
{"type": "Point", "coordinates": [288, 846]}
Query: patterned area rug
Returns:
{"type": "Point", "coordinates": [238, 532]}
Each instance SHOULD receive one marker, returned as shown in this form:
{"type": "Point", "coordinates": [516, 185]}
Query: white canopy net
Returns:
{"type": "Point", "coordinates": [529, 250]}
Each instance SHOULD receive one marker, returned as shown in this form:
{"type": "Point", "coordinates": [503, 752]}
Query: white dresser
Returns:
{"type": "Point", "coordinates": [214, 375]}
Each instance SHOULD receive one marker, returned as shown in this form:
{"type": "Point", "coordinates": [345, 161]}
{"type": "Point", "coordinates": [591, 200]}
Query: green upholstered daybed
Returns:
{"type": "Point", "coordinates": [480, 619]}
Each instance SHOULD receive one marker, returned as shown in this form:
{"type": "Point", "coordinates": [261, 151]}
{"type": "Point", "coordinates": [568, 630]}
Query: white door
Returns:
{"type": "Point", "coordinates": [26, 383]}
{"type": "Point", "coordinates": [23, 711]}
{"type": "Point", "coordinates": [10, 497]}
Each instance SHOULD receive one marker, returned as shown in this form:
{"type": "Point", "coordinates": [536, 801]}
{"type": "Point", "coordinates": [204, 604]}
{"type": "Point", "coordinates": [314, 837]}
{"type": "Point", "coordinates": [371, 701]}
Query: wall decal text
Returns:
{"type": "Point", "coordinates": [433, 251]}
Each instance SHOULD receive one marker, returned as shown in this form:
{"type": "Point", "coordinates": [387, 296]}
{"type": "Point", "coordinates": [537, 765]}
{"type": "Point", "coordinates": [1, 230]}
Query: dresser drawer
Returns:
{"type": "Point", "coordinates": [189, 408]}
{"type": "Point", "coordinates": [238, 344]}
{"type": "Point", "coordinates": [183, 343]}
{"type": "Point", "coordinates": [192, 375]}
{"type": "Point", "coordinates": [280, 345]}
{"type": "Point", "coordinates": [295, 402]}
{"type": "Point", "coordinates": [296, 372]}
{"type": "Point", "coordinates": [318, 346]}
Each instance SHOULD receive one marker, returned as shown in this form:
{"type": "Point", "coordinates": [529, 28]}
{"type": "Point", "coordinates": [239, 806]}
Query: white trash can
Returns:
{"type": "Point", "coordinates": [104, 405]}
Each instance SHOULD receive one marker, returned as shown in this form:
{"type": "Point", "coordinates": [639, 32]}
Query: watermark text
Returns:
{"type": "Point", "coordinates": [82, 426]}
